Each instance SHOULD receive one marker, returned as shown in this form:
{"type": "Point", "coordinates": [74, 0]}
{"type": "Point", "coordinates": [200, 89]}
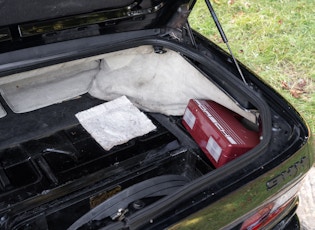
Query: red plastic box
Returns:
{"type": "Point", "coordinates": [218, 131]}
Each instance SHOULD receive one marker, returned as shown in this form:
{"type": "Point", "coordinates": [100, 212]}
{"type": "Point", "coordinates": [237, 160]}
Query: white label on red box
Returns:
{"type": "Point", "coordinates": [215, 122]}
{"type": "Point", "coordinates": [189, 118]}
{"type": "Point", "coordinates": [214, 149]}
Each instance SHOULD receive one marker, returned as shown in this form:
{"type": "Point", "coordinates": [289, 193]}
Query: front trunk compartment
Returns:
{"type": "Point", "coordinates": [38, 174]}
{"type": "Point", "coordinates": [53, 171]}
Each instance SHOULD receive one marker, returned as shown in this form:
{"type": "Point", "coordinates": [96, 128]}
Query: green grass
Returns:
{"type": "Point", "coordinates": [275, 38]}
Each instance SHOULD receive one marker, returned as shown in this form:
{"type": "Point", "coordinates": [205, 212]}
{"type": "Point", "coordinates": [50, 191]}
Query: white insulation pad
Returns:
{"type": "Point", "coordinates": [2, 111]}
{"type": "Point", "coordinates": [115, 122]}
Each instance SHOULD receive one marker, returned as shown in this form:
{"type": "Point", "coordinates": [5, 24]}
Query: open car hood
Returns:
{"type": "Point", "coordinates": [37, 18]}
{"type": "Point", "coordinates": [76, 152]}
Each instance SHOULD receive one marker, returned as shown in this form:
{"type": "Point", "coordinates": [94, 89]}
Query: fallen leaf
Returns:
{"type": "Point", "coordinates": [296, 93]}
{"type": "Point", "coordinates": [240, 13]}
{"type": "Point", "coordinates": [284, 85]}
{"type": "Point", "coordinates": [247, 4]}
{"type": "Point", "coordinates": [231, 2]}
{"type": "Point", "coordinates": [301, 83]}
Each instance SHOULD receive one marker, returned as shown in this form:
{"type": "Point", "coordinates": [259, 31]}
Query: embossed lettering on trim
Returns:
{"type": "Point", "coordinates": [290, 172]}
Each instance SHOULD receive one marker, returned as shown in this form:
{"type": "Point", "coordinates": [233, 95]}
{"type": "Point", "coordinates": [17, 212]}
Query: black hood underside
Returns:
{"type": "Point", "coordinates": [30, 24]}
{"type": "Point", "coordinates": [34, 17]}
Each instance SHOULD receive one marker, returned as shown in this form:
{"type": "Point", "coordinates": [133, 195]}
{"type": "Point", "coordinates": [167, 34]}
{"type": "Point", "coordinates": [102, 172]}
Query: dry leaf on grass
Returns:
{"type": "Point", "coordinates": [231, 2]}
{"type": "Point", "coordinates": [296, 88]}
{"type": "Point", "coordinates": [296, 93]}
{"type": "Point", "coordinates": [284, 85]}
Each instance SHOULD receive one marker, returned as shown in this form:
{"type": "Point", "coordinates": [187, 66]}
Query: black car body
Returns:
{"type": "Point", "coordinates": [63, 57]}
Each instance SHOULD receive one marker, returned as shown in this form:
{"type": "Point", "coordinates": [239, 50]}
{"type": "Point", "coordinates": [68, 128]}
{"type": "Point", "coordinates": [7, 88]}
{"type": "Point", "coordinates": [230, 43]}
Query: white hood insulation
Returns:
{"type": "Point", "coordinates": [161, 83]}
{"type": "Point", "coordinates": [3, 113]}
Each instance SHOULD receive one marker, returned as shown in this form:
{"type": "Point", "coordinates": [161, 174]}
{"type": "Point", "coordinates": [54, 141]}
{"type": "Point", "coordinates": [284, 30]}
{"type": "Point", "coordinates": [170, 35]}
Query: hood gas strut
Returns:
{"type": "Point", "coordinates": [224, 38]}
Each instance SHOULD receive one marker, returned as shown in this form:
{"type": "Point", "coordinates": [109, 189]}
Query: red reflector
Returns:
{"type": "Point", "coordinates": [255, 221]}
{"type": "Point", "coordinates": [264, 216]}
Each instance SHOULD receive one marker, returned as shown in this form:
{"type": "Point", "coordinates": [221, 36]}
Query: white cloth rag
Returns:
{"type": "Point", "coordinates": [115, 122]}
